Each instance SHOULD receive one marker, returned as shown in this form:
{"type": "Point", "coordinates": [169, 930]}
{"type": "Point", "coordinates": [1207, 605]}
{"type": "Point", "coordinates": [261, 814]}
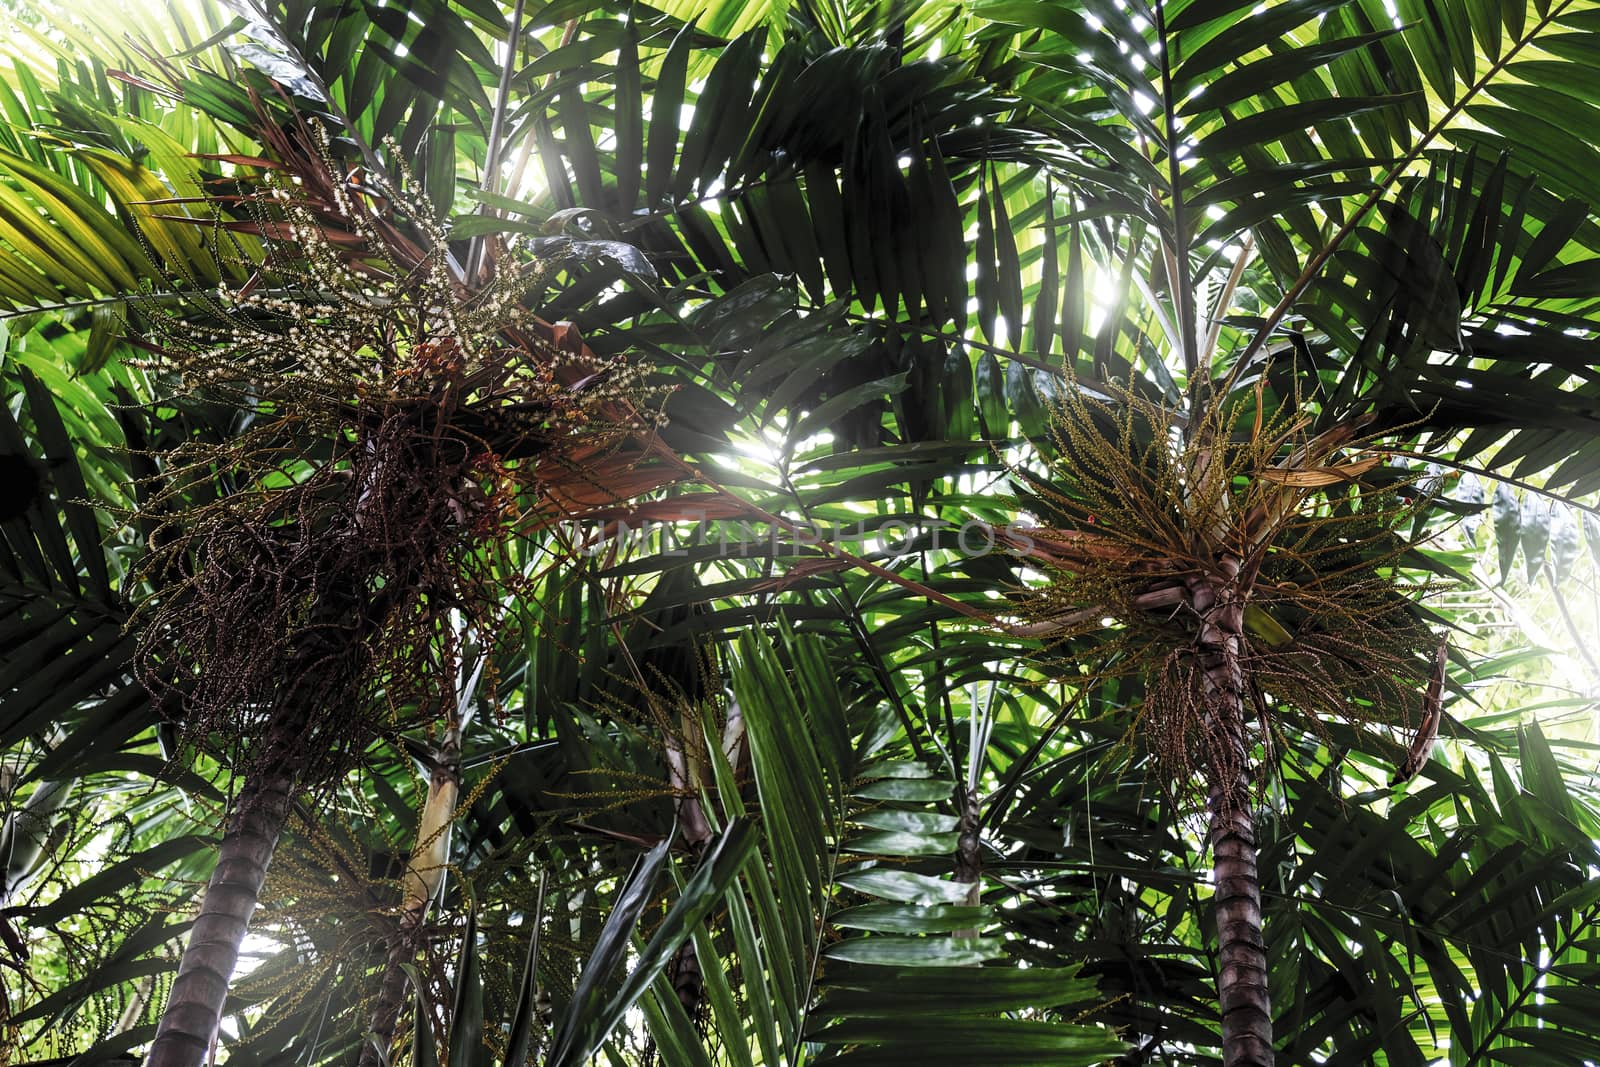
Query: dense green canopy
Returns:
{"type": "Point", "coordinates": [737, 533]}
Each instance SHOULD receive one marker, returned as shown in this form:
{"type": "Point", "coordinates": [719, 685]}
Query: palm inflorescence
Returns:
{"type": "Point", "coordinates": [727, 533]}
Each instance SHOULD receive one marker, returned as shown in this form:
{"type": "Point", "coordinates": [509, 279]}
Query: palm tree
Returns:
{"type": "Point", "coordinates": [1365, 254]}
{"type": "Point", "coordinates": [287, 608]}
{"type": "Point", "coordinates": [1367, 249]}
{"type": "Point", "coordinates": [1196, 554]}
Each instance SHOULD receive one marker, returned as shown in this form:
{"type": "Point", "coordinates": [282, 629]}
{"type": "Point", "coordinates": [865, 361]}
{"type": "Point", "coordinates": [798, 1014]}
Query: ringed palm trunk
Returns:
{"type": "Point", "coordinates": [194, 1007]}
{"type": "Point", "coordinates": [323, 669]}
{"type": "Point", "coordinates": [1241, 950]}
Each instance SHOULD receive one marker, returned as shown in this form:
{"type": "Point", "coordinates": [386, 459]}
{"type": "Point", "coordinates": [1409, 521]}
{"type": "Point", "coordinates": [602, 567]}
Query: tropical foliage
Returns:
{"type": "Point", "coordinates": [824, 531]}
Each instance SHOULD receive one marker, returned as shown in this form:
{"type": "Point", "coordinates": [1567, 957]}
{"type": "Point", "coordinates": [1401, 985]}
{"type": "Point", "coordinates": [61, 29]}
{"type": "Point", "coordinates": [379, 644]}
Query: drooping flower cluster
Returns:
{"type": "Point", "coordinates": [397, 428]}
{"type": "Point", "coordinates": [1307, 530]}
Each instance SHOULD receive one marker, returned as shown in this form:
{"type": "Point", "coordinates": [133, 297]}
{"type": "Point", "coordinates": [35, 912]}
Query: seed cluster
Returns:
{"type": "Point", "coordinates": [400, 427]}
{"type": "Point", "coordinates": [1144, 504]}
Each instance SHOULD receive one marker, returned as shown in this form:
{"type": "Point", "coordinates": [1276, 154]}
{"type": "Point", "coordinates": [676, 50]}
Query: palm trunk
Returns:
{"type": "Point", "coordinates": [688, 771]}
{"type": "Point", "coordinates": [194, 1007]}
{"type": "Point", "coordinates": [319, 670]}
{"type": "Point", "coordinates": [1241, 951]}
{"type": "Point", "coordinates": [392, 992]}
{"type": "Point", "coordinates": [969, 854]}
{"type": "Point", "coordinates": [684, 771]}
{"type": "Point", "coordinates": [424, 873]}
{"type": "Point", "coordinates": [133, 1011]}
{"type": "Point", "coordinates": [324, 668]}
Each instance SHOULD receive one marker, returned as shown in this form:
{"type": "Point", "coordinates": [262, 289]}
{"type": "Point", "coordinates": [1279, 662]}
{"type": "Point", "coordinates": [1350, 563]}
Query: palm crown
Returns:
{"type": "Point", "coordinates": [1198, 280]}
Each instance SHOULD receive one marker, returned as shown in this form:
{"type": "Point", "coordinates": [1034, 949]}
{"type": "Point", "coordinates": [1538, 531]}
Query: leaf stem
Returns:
{"type": "Point", "coordinates": [492, 149]}
{"type": "Point", "coordinates": [1540, 971]}
{"type": "Point", "coordinates": [1315, 264]}
{"type": "Point", "coordinates": [1506, 479]}
{"type": "Point", "coordinates": [1178, 250]}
